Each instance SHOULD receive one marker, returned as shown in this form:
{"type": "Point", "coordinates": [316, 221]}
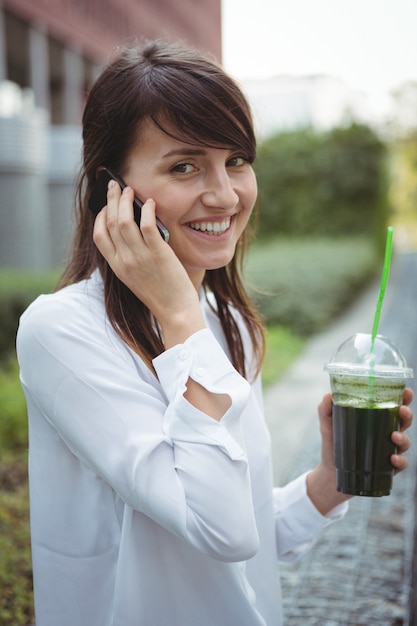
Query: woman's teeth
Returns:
{"type": "Point", "coordinates": [214, 228]}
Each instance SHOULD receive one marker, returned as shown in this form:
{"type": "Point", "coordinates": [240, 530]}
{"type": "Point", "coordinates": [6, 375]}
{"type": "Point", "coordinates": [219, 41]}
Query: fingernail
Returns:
{"type": "Point", "coordinates": [126, 189]}
{"type": "Point", "coordinates": [111, 184]}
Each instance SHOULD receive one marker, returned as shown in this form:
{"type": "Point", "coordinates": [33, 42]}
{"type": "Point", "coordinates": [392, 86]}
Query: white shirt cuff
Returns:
{"type": "Point", "coordinates": [297, 521]}
{"type": "Point", "coordinates": [201, 358]}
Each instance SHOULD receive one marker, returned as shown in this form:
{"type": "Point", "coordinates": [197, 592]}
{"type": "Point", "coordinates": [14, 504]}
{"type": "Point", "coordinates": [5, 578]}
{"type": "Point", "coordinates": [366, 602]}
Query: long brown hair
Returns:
{"type": "Point", "coordinates": [190, 97]}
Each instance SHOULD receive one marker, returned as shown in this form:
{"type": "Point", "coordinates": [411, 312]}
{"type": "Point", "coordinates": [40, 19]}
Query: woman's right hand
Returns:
{"type": "Point", "coordinates": [147, 265]}
{"type": "Point", "coordinates": [150, 269]}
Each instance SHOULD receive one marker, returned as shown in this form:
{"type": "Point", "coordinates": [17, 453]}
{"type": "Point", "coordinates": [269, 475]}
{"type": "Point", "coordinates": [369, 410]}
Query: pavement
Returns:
{"type": "Point", "coordinates": [363, 569]}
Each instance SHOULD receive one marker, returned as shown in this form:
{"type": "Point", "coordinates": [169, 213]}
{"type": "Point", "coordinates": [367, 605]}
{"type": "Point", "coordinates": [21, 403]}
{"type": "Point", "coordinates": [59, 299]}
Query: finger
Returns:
{"type": "Point", "coordinates": [113, 198]}
{"type": "Point", "coordinates": [126, 215]}
{"type": "Point", "coordinates": [148, 225]}
{"type": "Point", "coordinates": [325, 406]}
{"type": "Point", "coordinates": [114, 193]}
{"type": "Point", "coordinates": [101, 236]}
{"type": "Point", "coordinates": [406, 417]}
{"type": "Point", "coordinates": [401, 441]}
{"type": "Point", "coordinates": [399, 462]}
{"type": "Point", "coordinates": [122, 228]}
{"type": "Point", "coordinates": [408, 396]}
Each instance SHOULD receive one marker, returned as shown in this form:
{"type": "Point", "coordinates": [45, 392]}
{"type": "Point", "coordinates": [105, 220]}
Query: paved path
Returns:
{"type": "Point", "coordinates": [360, 571]}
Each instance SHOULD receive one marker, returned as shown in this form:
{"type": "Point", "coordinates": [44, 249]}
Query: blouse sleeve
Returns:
{"type": "Point", "coordinates": [298, 524]}
{"type": "Point", "coordinates": [162, 456]}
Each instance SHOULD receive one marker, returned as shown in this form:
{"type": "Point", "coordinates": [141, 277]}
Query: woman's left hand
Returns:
{"type": "Point", "coordinates": [321, 482]}
{"type": "Point", "coordinates": [399, 438]}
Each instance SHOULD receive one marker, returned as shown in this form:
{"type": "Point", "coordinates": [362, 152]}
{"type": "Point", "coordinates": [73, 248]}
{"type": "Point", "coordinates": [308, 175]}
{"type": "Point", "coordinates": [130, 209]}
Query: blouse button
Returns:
{"type": "Point", "coordinates": [183, 355]}
{"type": "Point", "coordinates": [200, 371]}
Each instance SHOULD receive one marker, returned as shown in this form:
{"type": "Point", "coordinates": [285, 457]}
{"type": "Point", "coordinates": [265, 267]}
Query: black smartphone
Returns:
{"type": "Point", "coordinates": [98, 199]}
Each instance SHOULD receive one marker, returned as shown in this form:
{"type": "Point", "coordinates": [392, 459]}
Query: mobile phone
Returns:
{"type": "Point", "coordinates": [98, 199]}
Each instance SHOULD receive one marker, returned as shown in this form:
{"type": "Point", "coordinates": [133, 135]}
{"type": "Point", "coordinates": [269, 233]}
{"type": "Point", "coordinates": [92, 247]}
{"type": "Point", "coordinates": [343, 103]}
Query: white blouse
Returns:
{"type": "Point", "coordinates": [144, 510]}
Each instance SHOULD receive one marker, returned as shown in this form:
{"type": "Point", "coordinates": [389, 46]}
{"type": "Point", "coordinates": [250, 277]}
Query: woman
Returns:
{"type": "Point", "coordinates": [152, 501]}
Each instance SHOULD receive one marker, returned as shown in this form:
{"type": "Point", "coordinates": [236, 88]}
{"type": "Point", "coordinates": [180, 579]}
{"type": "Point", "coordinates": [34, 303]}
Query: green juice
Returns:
{"type": "Point", "coordinates": [367, 378]}
{"type": "Point", "coordinates": [363, 447]}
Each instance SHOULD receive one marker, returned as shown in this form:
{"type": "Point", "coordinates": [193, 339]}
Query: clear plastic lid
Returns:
{"type": "Point", "coordinates": [357, 357]}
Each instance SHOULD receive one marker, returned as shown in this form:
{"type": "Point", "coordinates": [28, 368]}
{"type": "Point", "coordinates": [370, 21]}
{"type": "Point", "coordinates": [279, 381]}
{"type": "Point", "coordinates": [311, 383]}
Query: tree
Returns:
{"type": "Point", "coordinates": [319, 183]}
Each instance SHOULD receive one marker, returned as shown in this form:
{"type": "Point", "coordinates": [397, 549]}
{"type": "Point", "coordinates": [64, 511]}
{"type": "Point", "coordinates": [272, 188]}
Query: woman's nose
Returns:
{"type": "Point", "coordinates": [219, 191]}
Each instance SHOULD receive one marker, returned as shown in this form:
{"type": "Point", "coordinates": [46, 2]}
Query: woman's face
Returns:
{"type": "Point", "coordinates": [204, 196]}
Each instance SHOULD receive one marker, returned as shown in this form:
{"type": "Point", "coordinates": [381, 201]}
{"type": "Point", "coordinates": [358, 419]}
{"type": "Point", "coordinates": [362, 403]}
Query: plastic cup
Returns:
{"type": "Point", "coordinates": [367, 379]}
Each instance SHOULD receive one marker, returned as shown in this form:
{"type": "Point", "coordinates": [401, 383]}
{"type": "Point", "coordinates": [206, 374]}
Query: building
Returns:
{"type": "Point", "coordinates": [289, 102]}
{"type": "Point", "coordinates": [50, 52]}
{"type": "Point", "coordinates": [55, 46]}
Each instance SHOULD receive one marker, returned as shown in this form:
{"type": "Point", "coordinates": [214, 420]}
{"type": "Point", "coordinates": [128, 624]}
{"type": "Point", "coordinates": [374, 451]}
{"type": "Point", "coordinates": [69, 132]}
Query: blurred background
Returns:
{"type": "Point", "coordinates": [333, 89]}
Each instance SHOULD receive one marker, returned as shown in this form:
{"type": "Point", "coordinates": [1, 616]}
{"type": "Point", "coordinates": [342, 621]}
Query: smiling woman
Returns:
{"type": "Point", "coordinates": [181, 125]}
{"type": "Point", "coordinates": [152, 500]}
{"type": "Point", "coordinates": [204, 196]}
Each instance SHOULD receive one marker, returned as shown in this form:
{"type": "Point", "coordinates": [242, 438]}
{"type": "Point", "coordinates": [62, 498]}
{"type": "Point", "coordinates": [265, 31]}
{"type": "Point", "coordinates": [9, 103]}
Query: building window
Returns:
{"type": "Point", "coordinates": [56, 81]}
{"type": "Point", "coordinates": [17, 50]}
{"type": "Point", "coordinates": [90, 74]}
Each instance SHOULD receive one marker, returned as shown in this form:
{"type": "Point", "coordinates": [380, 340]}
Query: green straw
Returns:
{"type": "Point", "coordinates": [384, 280]}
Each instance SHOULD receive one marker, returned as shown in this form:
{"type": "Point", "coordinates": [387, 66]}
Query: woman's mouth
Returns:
{"type": "Point", "coordinates": [211, 228]}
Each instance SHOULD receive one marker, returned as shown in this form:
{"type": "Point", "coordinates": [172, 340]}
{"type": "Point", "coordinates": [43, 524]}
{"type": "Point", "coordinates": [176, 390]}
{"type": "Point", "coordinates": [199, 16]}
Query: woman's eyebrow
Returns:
{"type": "Point", "coordinates": [185, 152]}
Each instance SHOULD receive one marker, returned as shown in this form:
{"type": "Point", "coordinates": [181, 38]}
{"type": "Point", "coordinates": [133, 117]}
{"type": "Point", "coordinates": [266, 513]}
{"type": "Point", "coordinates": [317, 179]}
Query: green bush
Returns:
{"type": "Point", "coordinates": [16, 606]}
{"type": "Point", "coordinates": [403, 190]}
{"type": "Point", "coordinates": [333, 183]}
{"type": "Point", "coordinates": [13, 421]}
{"type": "Point", "coordinates": [17, 290]}
{"type": "Point", "coordinates": [282, 347]}
{"type": "Point", "coordinates": [303, 284]}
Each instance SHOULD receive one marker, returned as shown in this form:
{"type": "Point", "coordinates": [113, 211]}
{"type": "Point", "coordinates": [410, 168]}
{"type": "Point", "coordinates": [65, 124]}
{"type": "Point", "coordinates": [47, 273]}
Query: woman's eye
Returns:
{"type": "Point", "coordinates": [236, 161]}
{"type": "Point", "coordinates": [183, 168]}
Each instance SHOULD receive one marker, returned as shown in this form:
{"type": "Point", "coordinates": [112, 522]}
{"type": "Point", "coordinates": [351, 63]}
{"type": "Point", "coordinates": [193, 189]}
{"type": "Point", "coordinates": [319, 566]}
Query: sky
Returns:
{"type": "Point", "coordinates": [370, 44]}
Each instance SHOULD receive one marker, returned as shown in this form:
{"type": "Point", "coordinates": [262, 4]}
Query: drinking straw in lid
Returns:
{"type": "Point", "coordinates": [384, 280]}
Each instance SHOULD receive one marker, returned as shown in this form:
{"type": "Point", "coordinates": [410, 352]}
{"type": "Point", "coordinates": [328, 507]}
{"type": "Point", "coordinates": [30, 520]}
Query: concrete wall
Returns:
{"type": "Point", "coordinates": [23, 191]}
{"type": "Point", "coordinates": [64, 159]}
{"type": "Point", "coordinates": [38, 168]}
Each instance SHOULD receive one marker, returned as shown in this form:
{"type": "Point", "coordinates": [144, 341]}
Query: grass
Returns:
{"type": "Point", "coordinates": [16, 607]}
{"type": "Point", "coordinates": [17, 289]}
{"type": "Point", "coordinates": [303, 284]}
{"type": "Point", "coordinates": [283, 347]}
{"type": "Point", "coordinates": [13, 422]}
{"type": "Point", "coordinates": [26, 282]}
